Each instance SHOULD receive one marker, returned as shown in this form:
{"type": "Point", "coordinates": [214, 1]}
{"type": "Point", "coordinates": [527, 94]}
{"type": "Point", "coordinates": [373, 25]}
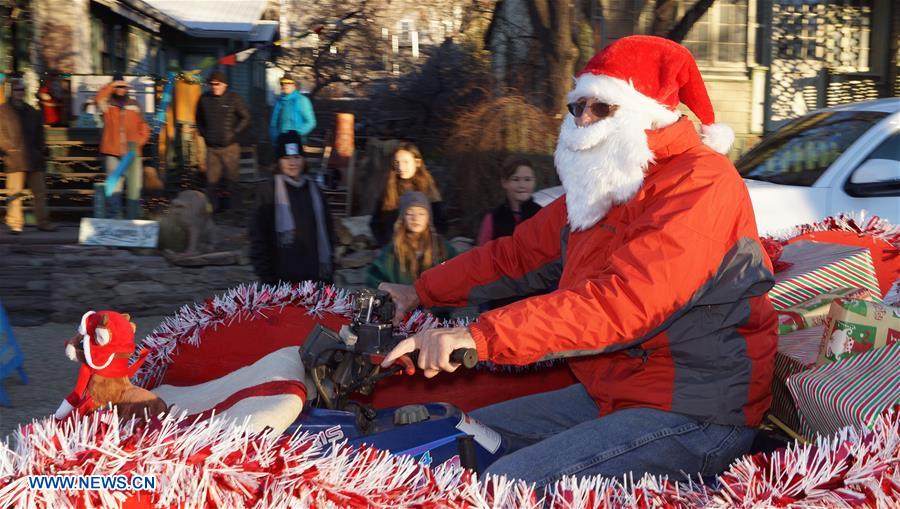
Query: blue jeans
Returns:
{"type": "Point", "coordinates": [559, 433]}
{"type": "Point", "coordinates": [135, 178]}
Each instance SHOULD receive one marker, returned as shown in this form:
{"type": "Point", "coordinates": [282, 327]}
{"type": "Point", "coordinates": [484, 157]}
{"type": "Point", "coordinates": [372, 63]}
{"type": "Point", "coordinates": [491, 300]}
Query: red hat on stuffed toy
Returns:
{"type": "Point", "coordinates": [106, 333]}
{"type": "Point", "coordinates": [650, 76]}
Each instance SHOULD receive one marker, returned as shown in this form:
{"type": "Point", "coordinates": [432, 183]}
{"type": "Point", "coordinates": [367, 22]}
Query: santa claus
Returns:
{"type": "Point", "coordinates": [655, 287]}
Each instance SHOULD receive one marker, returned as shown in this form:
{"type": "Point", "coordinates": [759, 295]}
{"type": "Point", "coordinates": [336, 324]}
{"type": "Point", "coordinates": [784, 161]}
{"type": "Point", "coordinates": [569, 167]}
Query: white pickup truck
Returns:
{"type": "Point", "coordinates": [840, 159]}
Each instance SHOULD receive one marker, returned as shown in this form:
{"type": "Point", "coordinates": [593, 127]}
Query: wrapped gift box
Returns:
{"type": "Point", "coordinates": [819, 268]}
{"type": "Point", "coordinates": [848, 392]}
{"type": "Point", "coordinates": [796, 353]}
{"type": "Point", "coordinates": [855, 326]}
{"type": "Point", "coordinates": [813, 312]}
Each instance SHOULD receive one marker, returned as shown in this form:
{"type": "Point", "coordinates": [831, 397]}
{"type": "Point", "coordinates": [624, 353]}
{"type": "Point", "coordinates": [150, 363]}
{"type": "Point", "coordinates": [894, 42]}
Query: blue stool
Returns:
{"type": "Point", "coordinates": [11, 357]}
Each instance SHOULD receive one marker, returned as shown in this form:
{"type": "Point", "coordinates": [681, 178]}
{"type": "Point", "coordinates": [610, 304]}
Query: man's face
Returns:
{"type": "Point", "coordinates": [600, 158]}
{"type": "Point", "coordinates": [217, 87]}
{"type": "Point", "coordinates": [288, 87]}
{"type": "Point", "coordinates": [120, 90]}
{"type": "Point", "coordinates": [588, 110]}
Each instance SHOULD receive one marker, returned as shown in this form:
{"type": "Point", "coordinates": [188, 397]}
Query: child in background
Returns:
{"type": "Point", "coordinates": [518, 181]}
{"type": "Point", "coordinates": [408, 173]}
{"type": "Point", "coordinates": [415, 248]}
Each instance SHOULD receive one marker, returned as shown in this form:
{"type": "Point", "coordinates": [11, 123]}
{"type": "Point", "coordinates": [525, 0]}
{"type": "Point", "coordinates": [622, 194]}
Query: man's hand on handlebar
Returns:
{"type": "Point", "coordinates": [434, 346]}
{"type": "Point", "coordinates": [405, 299]}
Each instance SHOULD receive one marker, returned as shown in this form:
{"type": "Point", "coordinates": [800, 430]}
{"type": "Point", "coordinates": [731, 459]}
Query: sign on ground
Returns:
{"type": "Point", "coordinates": [118, 232]}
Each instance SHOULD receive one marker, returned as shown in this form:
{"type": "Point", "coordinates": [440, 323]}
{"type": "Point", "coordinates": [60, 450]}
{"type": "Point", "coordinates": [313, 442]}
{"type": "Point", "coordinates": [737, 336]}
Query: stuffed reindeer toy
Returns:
{"type": "Point", "coordinates": [103, 345]}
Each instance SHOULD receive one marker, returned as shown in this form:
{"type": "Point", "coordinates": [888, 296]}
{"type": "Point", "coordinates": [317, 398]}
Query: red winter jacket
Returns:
{"type": "Point", "coordinates": [664, 300]}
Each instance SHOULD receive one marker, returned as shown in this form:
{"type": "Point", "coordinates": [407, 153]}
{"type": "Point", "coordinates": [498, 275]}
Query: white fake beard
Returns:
{"type": "Point", "coordinates": [601, 165]}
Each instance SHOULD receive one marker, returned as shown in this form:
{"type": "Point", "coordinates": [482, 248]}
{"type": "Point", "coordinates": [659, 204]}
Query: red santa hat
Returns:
{"type": "Point", "coordinates": [105, 333]}
{"type": "Point", "coordinates": [652, 75]}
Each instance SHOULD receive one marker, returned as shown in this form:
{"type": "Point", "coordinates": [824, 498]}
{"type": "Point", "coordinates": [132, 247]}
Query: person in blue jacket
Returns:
{"type": "Point", "coordinates": [293, 111]}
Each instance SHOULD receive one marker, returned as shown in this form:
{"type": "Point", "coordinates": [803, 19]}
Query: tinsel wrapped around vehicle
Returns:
{"type": "Point", "coordinates": [215, 463]}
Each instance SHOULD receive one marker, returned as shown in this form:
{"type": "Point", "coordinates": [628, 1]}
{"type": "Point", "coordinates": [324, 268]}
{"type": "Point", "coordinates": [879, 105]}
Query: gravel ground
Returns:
{"type": "Point", "coordinates": [51, 375]}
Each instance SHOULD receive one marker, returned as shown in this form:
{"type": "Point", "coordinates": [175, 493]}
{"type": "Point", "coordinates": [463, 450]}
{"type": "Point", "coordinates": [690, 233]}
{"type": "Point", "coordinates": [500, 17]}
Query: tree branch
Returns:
{"type": "Point", "coordinates": [664, 12]}
{"type": "Point", "coordinates": [684, 26]}
{"type": "Point", "coordinates": [539, 25]}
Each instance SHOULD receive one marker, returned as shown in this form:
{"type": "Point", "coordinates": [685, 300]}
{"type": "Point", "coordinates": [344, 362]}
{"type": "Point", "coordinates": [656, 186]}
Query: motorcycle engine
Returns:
{"type": "Point", "coordinates": [339, 363]}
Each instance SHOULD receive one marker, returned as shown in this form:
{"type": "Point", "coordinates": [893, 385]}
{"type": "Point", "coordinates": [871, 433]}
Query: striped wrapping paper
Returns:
{"type": "Point", "coordinates": [796, 353]}
{"type": "Point", "coordinates": [818, 268]}
{"type": "Point", "coordinates": [850, 392]}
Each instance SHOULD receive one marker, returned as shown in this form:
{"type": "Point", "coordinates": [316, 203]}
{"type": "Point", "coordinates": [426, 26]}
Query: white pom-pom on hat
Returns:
{"type": "Point", "coordinates": [717, 136]}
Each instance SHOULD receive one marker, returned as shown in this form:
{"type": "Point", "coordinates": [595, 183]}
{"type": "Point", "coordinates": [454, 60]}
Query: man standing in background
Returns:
{"type": "Point", "coordinates": [22, 144]}
{"type": "Point", "coordinates": [221, 116]}
{"type": "Point", "coordinates": [293, 112]}
{"type": "Point", "coordinates": [124, 127]}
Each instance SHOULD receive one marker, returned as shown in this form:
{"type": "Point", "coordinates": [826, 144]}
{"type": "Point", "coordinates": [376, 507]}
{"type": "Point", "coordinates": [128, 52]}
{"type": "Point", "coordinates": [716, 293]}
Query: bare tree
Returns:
{"type": "Point", "coordinates": [328, 47]}
{"type": "Point", "coordinates": [551, 22]}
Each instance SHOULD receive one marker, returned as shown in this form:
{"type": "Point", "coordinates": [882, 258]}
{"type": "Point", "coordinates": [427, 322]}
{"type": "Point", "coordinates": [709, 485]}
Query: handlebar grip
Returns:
{"type": "Point", "coordinates": [468, 357]}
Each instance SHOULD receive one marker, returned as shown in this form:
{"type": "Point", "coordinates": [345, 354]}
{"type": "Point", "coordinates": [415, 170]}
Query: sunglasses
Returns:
{"type": "Point", "coordinates": [598, 109]}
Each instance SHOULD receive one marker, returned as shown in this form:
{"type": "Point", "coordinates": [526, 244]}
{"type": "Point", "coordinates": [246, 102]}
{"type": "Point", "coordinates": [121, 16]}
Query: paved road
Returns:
{"type": "Point", "coordinates": [51, 374]}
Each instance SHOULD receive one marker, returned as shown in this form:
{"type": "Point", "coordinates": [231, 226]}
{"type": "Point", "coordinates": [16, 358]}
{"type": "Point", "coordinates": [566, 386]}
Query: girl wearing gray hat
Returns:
{"type": "Point", "coordinates": [415, 248]}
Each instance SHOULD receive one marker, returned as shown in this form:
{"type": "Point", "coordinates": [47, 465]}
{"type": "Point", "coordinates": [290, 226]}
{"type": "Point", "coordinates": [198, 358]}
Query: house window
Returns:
{"type": "Point", "coordinates": [719, 38]}
{"type": "Point", "coordinates": [98, 45]}
{"type": "Point", "coordinates": [404, 32]}
{"type": "Point", "coordinates": [119, 44]}
{"type": "Point", "coordinates": [109, 46]}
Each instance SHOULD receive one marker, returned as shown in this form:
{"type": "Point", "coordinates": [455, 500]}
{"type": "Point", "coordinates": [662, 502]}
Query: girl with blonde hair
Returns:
{"type": "Point", "coordinates": [415, 247]}
{"type": "Point", "coordinates": [408, 173]}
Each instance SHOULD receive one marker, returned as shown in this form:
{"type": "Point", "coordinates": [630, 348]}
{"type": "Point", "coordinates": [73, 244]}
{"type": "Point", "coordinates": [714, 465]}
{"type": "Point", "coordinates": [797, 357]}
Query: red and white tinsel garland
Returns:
{"type": "Point", "coordinates": [246, 302]}
{"type": "Point", "coordinates": [216, 463]}
{"type": "Point", "coordinates": [858, 222]}
{"type": "Point", "coordinates": [255, 300]}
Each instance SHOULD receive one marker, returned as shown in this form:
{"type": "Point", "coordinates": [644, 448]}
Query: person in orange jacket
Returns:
{"type": "Point", "coordinates": [123, 123]}
{"type": "Point", "coordinates": [657, 287]}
